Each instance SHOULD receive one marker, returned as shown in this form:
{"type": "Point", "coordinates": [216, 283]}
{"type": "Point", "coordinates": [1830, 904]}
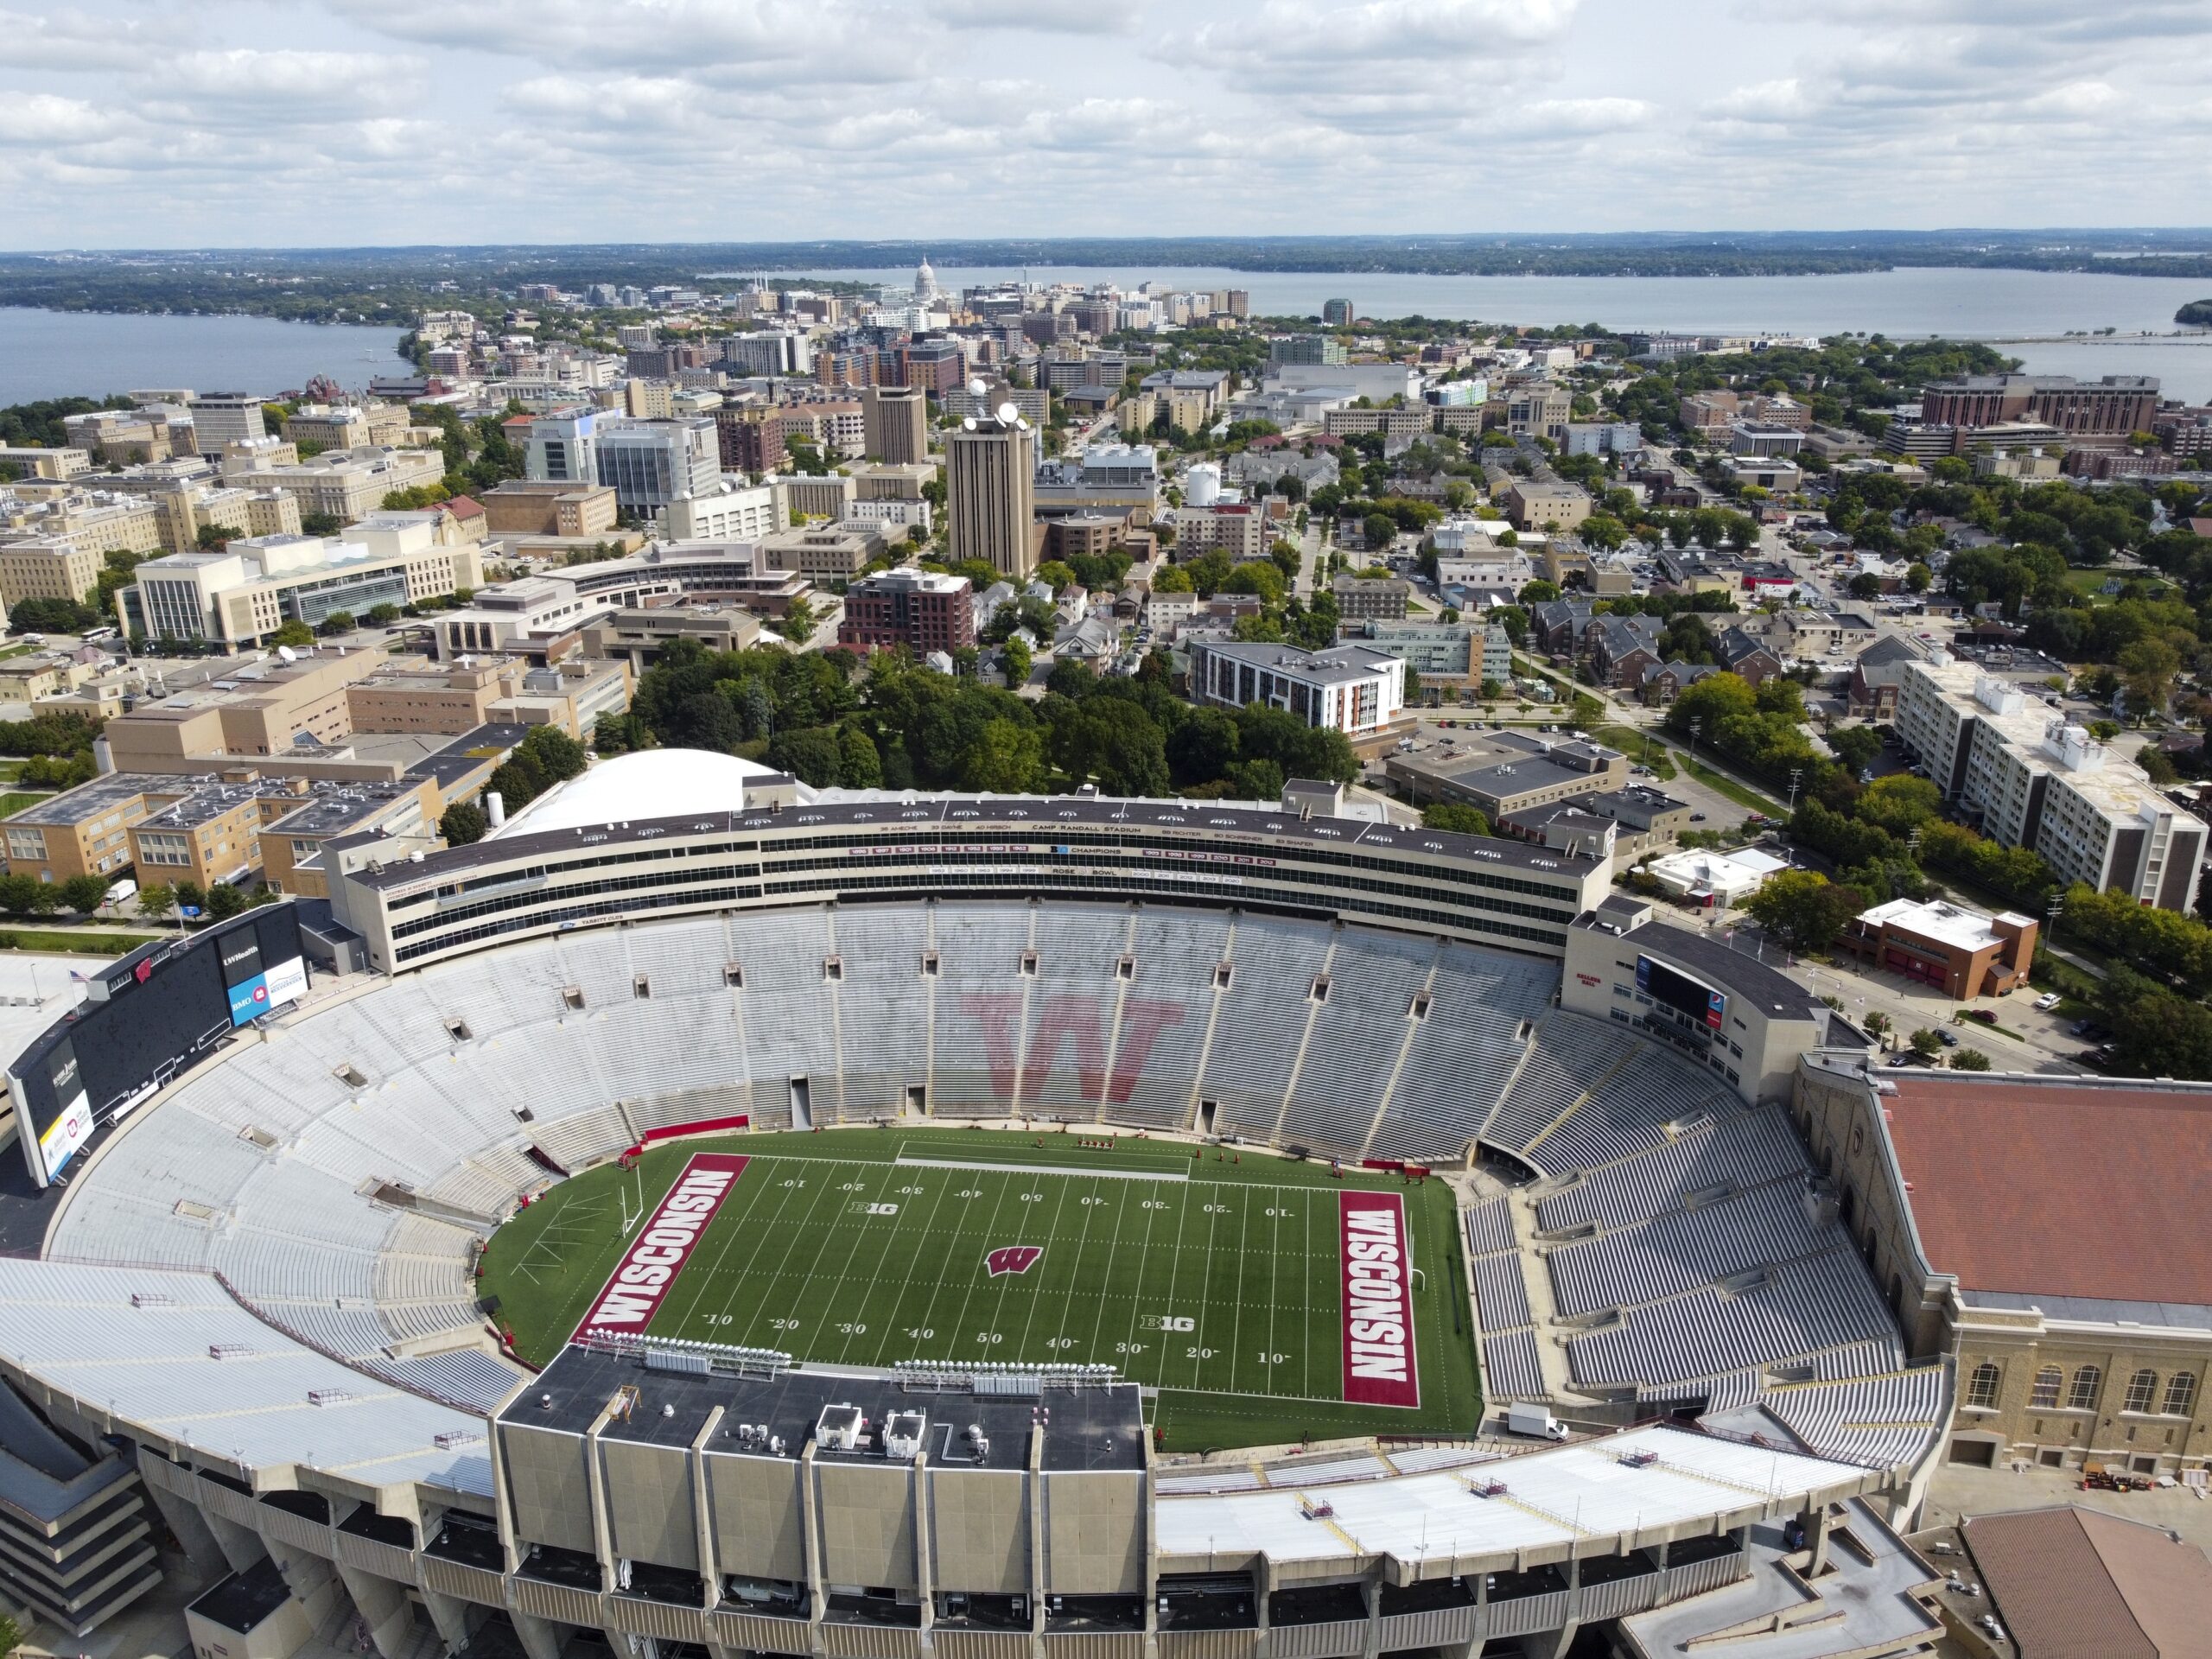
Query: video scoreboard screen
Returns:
{"type": "Point", "coordinates": [1707, 1007]}
{"type": "Point", "coordinates": [144, 1019]}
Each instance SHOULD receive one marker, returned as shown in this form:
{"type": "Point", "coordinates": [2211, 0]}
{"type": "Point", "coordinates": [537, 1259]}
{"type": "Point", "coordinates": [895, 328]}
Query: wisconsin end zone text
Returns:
{"type": "Point", "coordinates": [634, 1291]}
{"type": "Point", "coordinates": [1379, 1360]}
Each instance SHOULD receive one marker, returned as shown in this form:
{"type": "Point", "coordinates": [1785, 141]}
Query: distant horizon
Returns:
{"type": "Point", "coordinates": [1779, 239]}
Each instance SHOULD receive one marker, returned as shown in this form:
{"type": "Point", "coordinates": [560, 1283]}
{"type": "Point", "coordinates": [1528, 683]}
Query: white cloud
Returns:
{"type": "Point", "coordinates": [600, 120]}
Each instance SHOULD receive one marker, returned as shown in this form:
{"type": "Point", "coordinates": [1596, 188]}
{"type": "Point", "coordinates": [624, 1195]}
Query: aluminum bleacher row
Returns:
{"type": "Point", "coordinates": [1688, 1258]}
{"type": "Point", "coordinates": [339, 1173]}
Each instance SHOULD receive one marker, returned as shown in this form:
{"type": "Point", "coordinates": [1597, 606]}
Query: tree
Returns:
{"type": "Point", "coordinates": [1006, 759]}
{"type": "Point", "coordinates": [859, 763]}
{"type": "Point", "coordinates": [338, 622]}
{"type": "Point", "coordinates": [213, 538]}
{"type": "Point", "coordinates": [1804, 908]}
{"type": "Point", "coordinates": [155, 902]}
{"type": "Point", "coordinates": [1455, 817]}
{"type": "Point", "coordinates": [463, 824]}
{"type": "Point", "coordinates": [1877, 1024]}
{"type": "Point", "coordinates": [2147, 669]}
{"type": "Point", "coordinates": [1170, 579]}
{"type": "Point", "coordinates": [84, 893]}
{"type": "Point", "coordinates": [225, 901]}
{"type": "Point", "coordinates": [1538, 592]}
{"type": "Point", "coordinates": [1969, 1059]}
{"type": "Point", "coordinates": [1377, 530]}
{"type": "Point", "coordinates": [1917, 578]}
{"type": "Point", "coordinates": [812, 754]}
{"type": "Point", "coordinates": [1018, 660]}
{"type": "Point", "coordinates": [1899, 803]}
{"type": "Point", "coordinates": [295, 633]}
{"type": "Point", "coordinates": [1925, 1043]}
{"type": "Point", "coordinates": [1865, 586]}
{"type": "Point", "coordinates": [52, 616]}
{"type": "Point", "coordinates": [383, 615]}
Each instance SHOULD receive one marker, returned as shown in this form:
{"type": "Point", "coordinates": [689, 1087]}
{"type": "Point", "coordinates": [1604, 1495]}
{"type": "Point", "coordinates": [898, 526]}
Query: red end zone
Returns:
{"type": "Point", "coordinates": [633, 1292]}
{"type": "Point", "coordinates": [1379, 1362]}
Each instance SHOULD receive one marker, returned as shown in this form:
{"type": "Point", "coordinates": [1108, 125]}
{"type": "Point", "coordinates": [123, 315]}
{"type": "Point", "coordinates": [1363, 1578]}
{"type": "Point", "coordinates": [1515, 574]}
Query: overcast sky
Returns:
{"type": "Point", "coordinates": [328, 122]}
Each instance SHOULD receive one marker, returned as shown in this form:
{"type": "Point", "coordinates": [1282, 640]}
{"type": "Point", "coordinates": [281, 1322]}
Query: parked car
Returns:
{"type": "Point", "coordinates": [1984, 1015]}
{"type": "Point", "coordinates": [2047, 1002]}
{"type": "Point", "coordinates": [1949, 1038]}
{"type": "Point", "coordinates": [1697, 817]}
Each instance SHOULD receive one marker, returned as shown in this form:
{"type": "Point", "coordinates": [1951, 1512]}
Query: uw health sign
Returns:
{"type": "Point", "coordinates": [635, 1290]}
{"type": "Point", "coordinates": [1378, 1342]}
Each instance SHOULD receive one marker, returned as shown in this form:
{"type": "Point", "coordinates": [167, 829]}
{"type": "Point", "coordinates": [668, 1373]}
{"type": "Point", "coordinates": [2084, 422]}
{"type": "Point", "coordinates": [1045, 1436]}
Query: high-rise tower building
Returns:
{"type": "Point", "coordinates": [990, 481]}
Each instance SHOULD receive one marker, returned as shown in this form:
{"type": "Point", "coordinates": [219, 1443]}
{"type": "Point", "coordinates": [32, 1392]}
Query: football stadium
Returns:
{"type": "Point", "coordinates": [711, 1214]}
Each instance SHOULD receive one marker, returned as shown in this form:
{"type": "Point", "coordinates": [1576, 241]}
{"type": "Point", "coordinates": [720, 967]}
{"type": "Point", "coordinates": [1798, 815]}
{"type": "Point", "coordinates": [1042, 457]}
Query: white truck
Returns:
{"type": "Point", "coordinates": [121, 892]}
{"type": "Point", "coordinates": [1535, 1421]}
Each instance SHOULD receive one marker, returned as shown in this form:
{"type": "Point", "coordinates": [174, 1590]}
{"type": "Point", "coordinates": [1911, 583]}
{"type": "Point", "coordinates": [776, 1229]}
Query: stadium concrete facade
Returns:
{"type": "Point", "coordinates": [254, 1311]}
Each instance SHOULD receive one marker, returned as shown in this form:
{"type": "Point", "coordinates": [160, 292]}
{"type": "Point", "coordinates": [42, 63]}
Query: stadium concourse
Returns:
{"type": "Point", "coordinates": [256, 1307]}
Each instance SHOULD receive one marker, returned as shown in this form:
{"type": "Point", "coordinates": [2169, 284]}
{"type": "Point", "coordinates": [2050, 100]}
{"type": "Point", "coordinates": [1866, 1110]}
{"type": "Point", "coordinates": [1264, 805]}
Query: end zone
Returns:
{"type": "Point", "coordinates": [634, 1291]}
{"type": "Point", "coordinates": [1380, 1363]}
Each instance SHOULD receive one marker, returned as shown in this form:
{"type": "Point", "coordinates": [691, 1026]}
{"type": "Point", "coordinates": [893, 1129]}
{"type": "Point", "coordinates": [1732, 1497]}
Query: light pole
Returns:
{"type": "Point", "coordinates": [1696, 726]}
{"type": "Point", "coordinates": [1795, 772]}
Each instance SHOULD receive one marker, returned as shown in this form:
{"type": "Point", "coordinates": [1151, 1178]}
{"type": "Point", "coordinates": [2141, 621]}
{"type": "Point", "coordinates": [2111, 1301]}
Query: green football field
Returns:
{"type": "Point", "coordinates": [1216, 1279]}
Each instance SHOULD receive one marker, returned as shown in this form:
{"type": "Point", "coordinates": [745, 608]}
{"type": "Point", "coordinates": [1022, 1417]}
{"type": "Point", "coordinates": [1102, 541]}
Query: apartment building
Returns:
{"type": "Point", "coordinates": [838, 429]}
{"type": "Point", "coordinates": [1237, 529]}
{"type": "Point", "coordinates": [895, 424]}
{"type": "Point", "coordinates": [1541, 411]}
{"type": "Point", "coordinates": [548, 507]}
{"type": "Point", "coordinates": [238, 596]}
{"type": "Point", "coordinates": [2109, 408]}
{"type": "Point", "coordinates": [1353, 688]}
{"type": "Point", "coordinates": [92, 521]}
{"type": "Point", "coordinates": [47, 568]}
{"type": "Point", "coordinates": [1462, 653]}
{"type": "Point", "coordinates": [2035, 781]}
{"type": "Point", "coordinates": [923, 610]}
{"type": "Point", "coordinates": [837, 551]}
{"type": "Point", "coordinates": [728, 512]}
{"type": "Point", "coordinates": [56, 465]}
{"type": "Point", "coordinates": [85, 831]}
{"type": "Point", "coordinates": [222, 418]}
{"type": "Point", "coordinates": [813, 496]}
{"type": "Point", "coordinates": [1359, 597]}
{"type": "Point", "coordinates": [1541, 503]}
{"type": "Point", "coordinates": [1410, 422]}
{"type": "Point", "coordinates": [346, 485]}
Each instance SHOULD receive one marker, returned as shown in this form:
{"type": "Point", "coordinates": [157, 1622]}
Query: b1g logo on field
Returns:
{"type": "Point", "coordinates": [1013, 1258]}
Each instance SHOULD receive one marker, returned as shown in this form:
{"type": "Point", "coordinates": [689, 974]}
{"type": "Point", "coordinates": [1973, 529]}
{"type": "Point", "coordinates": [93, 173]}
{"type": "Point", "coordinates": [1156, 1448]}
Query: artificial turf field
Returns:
{"type": "Point", "coordinates": [1218, 1282]}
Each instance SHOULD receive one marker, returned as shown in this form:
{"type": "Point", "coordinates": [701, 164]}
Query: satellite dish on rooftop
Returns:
{"type": "Point", "coordinates": [1008, 414]}
{"type": "Point", "coordinates": [967, 425]}
{"type": "Point", "coordinates": [286, 654]}
{"type": "Point", "coordinates": [976, 388]}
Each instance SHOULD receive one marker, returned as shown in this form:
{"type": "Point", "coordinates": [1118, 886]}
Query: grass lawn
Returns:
{"type": "Point", "coordinates": [1721, 784]}
{"type": "Point", "coordinates": [71, 941]}
{"type": "Point", "coordinates": [16, 799]}
{"type": "Point", "coordinates": [1218, 1283]}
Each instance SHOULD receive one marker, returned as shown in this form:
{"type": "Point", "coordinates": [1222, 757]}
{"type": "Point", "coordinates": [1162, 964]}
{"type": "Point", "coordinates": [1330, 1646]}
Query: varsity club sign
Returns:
{"type": "Point", "coordinates": [1378, 1344]}
{"type": "Point", "coordinates": [634, 1291]}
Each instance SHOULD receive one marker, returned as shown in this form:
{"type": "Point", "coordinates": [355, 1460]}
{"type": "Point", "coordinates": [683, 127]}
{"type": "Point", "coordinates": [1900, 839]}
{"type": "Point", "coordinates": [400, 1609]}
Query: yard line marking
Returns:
{"type": "Point", "coordinates": [1098, 1325]}
{"type": "Point", "coordinates": [805, 1226]}
{"type": "Point", "coordinates": [1213, 1226]}
{"type": "Point", "coordinates": [1052, 1238]}
{"type": "Point", "coordinates": [844, 1271]}
{"type": "Point", "coordinates": [960, 1322]}
{"type": "Point", "coordinates": [1067, 1302]}
{"type": "Point", "coordinates": [1009, 1166]}
{"type": "Point", "coordinates": [913, 1259]}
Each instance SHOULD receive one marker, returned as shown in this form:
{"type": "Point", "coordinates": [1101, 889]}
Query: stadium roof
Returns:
{"type": "Point", "coordinates": [2060, 1188]}
{"type": "Point", "coordinates": [172, 1353]}
{"type": "Point", "coordinates": [1552, 1498]}
{"type": "Point", "coordinates": [651, 784]}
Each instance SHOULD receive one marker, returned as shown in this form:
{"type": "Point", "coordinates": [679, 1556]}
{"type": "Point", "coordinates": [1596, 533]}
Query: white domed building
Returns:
{"type": "Point", "coordinates": [925, 281]}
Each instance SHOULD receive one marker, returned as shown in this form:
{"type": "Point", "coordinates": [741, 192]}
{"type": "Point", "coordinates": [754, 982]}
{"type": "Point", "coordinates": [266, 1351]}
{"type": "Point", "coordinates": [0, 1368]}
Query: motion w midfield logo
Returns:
{"type": "Point", "coordinates": [1064, 1019]}
{"type": "Point", "coordinates": [1013, 1258]}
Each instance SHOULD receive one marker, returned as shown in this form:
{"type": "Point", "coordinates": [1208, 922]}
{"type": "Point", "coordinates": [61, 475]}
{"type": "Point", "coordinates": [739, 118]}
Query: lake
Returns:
{"type": "Point", "coordinates": [59, 354]}
{"type": "Point", "coordinates": [91, 353]}
{"type": "Point", "coordinates": [1903, 304]}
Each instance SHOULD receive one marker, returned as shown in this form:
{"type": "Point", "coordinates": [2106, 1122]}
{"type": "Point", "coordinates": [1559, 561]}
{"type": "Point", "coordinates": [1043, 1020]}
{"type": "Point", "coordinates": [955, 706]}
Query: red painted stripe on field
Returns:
{"type": "Point", "coordinates": [1378, 1300]}
{"type": "Point", "coordinates": [633, 1292]}
{"type": "Point", "coordinates": [704, 1126]}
